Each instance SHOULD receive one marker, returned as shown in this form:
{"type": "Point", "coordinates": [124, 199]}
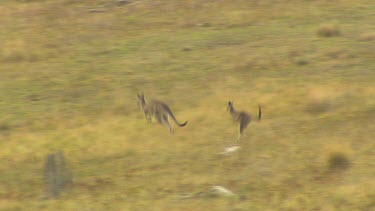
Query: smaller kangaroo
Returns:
{"type": "Point", "coordinates": [241, 117]}
{"type": "Point", "coordinates": [159, 110]}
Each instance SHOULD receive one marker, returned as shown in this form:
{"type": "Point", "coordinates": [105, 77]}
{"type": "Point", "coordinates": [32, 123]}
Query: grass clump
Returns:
{"type": "Point", "coordinates": [302, 62]}
{"type": "Point", "coordinates": [318, 107]}
{"type": "Point", "coordinates": [337, 158]}
{"type": "Point", "coordinates": [4, 127]}
{"type": "Point", "coordinates": [329, 31]}
{"type": "Point", "coordinates": [368, 37]}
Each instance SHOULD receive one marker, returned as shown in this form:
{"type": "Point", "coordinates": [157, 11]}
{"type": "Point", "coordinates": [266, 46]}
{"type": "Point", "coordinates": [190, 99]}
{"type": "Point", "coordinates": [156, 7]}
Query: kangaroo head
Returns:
{"type": "Point", "coordinates": [141, 100]}
{"type": "Point", "coordinates": [230, 106]}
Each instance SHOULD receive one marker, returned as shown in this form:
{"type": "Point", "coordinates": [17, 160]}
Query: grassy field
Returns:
{"type": "Point", "coordinates": [69, 78]}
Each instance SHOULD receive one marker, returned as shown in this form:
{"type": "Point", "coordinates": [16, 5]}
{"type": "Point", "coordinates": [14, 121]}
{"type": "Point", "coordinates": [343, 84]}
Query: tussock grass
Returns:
{"type": "Point", "coordinates": [302, 62]}
{"type": "Point", "coordinates": [329, 31]}
{"type": "Point", "coordinates": [337, 157]}
{"type": "Point", "coordinates": [338, 160]}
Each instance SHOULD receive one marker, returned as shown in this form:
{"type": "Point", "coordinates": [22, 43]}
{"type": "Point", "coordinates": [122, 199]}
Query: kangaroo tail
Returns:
{"type": "Point", "coordinates": [181, 125]}
{"type": "Point", "coordinates": [174, 118]}
{"type": "Point", "coordinates": [260, 113]}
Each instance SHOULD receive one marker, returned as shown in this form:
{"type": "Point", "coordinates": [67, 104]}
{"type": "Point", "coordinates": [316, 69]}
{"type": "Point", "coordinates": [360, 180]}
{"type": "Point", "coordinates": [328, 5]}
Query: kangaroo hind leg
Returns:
{"type": "Point", "coordinates": [167, 123]}
{"type": "Point", "coordinates": [148, 118]}
{"type": "Point", "coordinates": [243, 125]}
{"type": "Point", "coordinates": [159, 118]}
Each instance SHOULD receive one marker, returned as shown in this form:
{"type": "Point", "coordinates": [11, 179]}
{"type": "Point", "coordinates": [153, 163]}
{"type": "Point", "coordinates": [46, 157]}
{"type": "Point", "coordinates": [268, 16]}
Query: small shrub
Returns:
{"type": "Point", "coordinates": [337, 158]}
{"type": "Point", "coordinates": [302, 62]}
{"type": "Point", "coordinates": [329, 31]}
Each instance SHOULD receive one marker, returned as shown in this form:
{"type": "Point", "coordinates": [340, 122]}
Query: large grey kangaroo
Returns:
{"type": "Point", "coordinates": [241, 117]}
{"type": "Point", "coordinates": [159, 110]}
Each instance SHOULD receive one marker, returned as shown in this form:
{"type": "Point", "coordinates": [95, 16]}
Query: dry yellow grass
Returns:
{"type": "Point", "coordinates": [69, 80]}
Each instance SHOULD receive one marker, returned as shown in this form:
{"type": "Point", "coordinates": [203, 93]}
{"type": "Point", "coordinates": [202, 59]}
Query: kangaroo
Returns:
{"type": "Point", "coordinates": [241, 117]}
{"type": "Point", "coordinates": [159, 110]}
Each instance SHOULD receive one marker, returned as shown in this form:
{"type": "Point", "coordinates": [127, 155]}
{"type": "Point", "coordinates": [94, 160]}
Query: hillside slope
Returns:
{"type": "Point", "coordinates": [70, 71]}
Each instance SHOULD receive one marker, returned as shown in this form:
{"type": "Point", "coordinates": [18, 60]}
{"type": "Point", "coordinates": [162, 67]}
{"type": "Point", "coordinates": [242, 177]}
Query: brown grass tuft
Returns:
{"type": "Point", "coordinates": [329, 31]}
{"type": "Point", "coordinates": [338, 160]}
{"type": "Point", "coordinates": [337, 157]}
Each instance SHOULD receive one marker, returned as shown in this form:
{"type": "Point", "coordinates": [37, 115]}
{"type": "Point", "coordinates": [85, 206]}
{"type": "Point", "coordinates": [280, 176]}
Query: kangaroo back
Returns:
{"type": "Point", "coordinates": [159, 110]}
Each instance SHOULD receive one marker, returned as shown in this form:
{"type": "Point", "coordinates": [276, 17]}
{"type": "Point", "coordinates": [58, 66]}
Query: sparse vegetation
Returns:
{"type": "Point", "coordinates": [368, 37]}
{"type": "Point", "coordinates": [57, 176]}
{"type": "Point", "coordinates": [338, 160]}
{"type": "Point", "coordinates": [69, 79]}
{"type": "Point", "coordinates": [329, 31]}
{"type": "Point", "coordinates": [318, 107]}
{"type": "Point", "coordinates": [302, 62]}
{"type": "Point", "coordinates": [337, 157]}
